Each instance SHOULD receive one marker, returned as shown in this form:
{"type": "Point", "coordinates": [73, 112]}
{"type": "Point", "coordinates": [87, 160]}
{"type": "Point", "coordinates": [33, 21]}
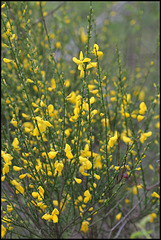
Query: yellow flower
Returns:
{"type": "Point", "coordinates": [103, 122]}
{"type": "Point", "coordinates": [6, 60]}
{"type": "Point", "coordinates": [156, 195]}
{"type": "Point", "coordinates": [152, 216]}
{"type": "Point", "coordinates": [29, 80]}
{"type": "Point", "coordinates": [15, 144]}
{"type": "Point", "coordinates": [117, 168]}
{"type": "Point", "coordinates": [113, 140]}
{"type": "Point", "coordinates": [52, 154]}
{"type": "Point", "coordinates": [67, 132]}
{"type": "Point", "coordinates": [135, 190]}
{"type": "Point", "coordinates": [35, 194]}
{"type": "Point", "coordinates": [157, 125]}
{"type": "Point", "coordinates": [84, 226]}
{"type": "Point", "coordinates": [78, 180]}
{"type": "Point", "coordinates": [87, 196]}
{"type": "Point", "coordinates": [22, 176]}
{"type": "Point", "coordinates": [92, 64]}
{"type": "Point", "coordinates": [3, 178]}
{"type": "Point", "coordinates": [118, 216]}
{"type": "Point", "coordinates": [80, 62]}
{"type": "Point", "coordinates": [58, 168]}
{"type": "Point", "coordinates": [72, 97]}
{"type": "Point", "coordinates": [127, 201]}
{"type": "Point", "coordinates": [7, 157]}
{"type": "Point", "coordinates": [151, 167]}
{"type": "Point", "coordinates": [68, 151]}
{"type": "Point", "coordinates": [92, 100]}
{"type": "Point", "coordinates": [47, 216]}
{"type": "Point", "coordinates": [3, 231]}
{"type": "Point", "coordinates": [15, 168]}
{"type": "Point", "coordinates": [18, 187]}
{"type": "Point", "coordinates": [41, 190]}
{"type": "Point", "coordinates": [140, 118]}
{"type": "Point", "coordinates": [96, 52]}
{"type": "Point", "coordinates": [97, 176]}
{"type": "Point", "coordinates": [126, 139]}
{"type": "Point", "coordinates": [53, 83]}
{"type": "Point", "coordinates": [58, 45]}
{"type": "Point", "coordinates": [42, 206]}
{"type": "Point", "coordinates": [54, 216]}
{"type": "Point", "coordinates": [143, 108]}
{"type": "Point", "coordinates": [83, 35]}
{"type": "Point", "coordinates": [144, 136]}
{"type": "Point", "coordinates": [55, 202]}
{"type": "Point", "coordinates": [9, 208]}
{"type": "Point", "coordinates": [97, 163]}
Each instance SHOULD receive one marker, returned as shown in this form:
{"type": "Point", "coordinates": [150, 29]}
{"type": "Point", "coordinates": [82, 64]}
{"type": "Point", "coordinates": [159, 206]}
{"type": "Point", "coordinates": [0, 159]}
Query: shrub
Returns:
{"type": "Point", "coordinates": [79, 128]}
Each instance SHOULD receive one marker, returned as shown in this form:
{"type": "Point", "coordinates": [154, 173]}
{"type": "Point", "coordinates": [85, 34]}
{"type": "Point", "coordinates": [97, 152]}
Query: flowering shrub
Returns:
{"type": "Point", "coordinates": [79, 131]}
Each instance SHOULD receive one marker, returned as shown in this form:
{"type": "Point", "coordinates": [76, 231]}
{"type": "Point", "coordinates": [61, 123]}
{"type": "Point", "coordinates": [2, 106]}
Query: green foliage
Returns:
{"type": "Point", "coordinates": [80, 120]}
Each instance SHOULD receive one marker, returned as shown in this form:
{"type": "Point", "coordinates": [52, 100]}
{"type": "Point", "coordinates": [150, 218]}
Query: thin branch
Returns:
{"type": "Point", "coordinates": [120, 229]}
{"type": "Point", "coordinates": [42, 17]}
{"type": "Point", "coordinates": [124, 218]}
{"type": "Point", "coordinates": [44, 24]}
{"type": "Point", "coordinates": [156, 184]}
{"type": "Point", "coordinates": [51, 12]}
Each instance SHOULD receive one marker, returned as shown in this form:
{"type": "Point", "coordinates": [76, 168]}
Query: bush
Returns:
{"type": "Point", "coordinates": [79, 121]}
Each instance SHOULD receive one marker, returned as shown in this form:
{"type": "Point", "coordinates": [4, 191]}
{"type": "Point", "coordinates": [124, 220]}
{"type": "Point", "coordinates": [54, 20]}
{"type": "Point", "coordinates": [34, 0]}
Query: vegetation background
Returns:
{"type": "Point", "coordinates": [133, 28]}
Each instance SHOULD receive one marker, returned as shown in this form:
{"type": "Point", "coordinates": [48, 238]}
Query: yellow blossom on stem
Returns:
{"type": "Point", "coordinates": [140, 118]}
{"type": "Point", "coordinates": [41, 190]}
{"type": "Point", "coordinates": [87, 196]}
{"type": "Point", "coordinates": [68, 151]}
{"type": "Point", "coordinates": [80, 62]}
{"type": "Point", "coordinates": [78, 180]}
{"type": "Point", "coordinates": [35, 194]}
{"type": "Point", "coordinates": [91, 64]}
{"type": "Point", "coordinates": [72, 97]}
{"type": "Point", "coordinates": [52, 154]}
{"type": "Point", "coordinates": [156, 195]}
{"type": "Point", "coordinates": [15, 144]}
{"type": "Point", "coordinates": [3, 231]}
{"type": "Point", "coordinates": [55, 202]}
{"type": "Point", "coordinates": [97, 163]}
{"type": "Point", "coordinates": [84, 226]}
{"type": "Point", "coordinates": [54, 216]}
{"type": "Point", "coordinates": [97, 176]}
{"type": "Point", "coordinates": [143, 108]}
{"type": "Point", "coordinates": [113, 140]}
{"type": "Point", "coordinates": [22, 176]}
{"type": "Point", "coordinates": [152, 216]}
{"type": "Point", "coordinates": [96, 52]}
{"type": "Point", "coordinates": [144, 136]}
{"type": "Point", "coordinates": [47, 216]}
{"type": "Point", "coordinates": [59, 167]}
{"type": "Point", "coordinates": [29, 80]}
{"type": "Point", "coordinates": [135, 190]}
{"type": "Point", "coordinates": [118, 216]}
{"type": "Point", "coordinates": [18, 187]}
{"type": "Point", "coordinates": [6, 60]}
{"type": "Point", "coordinates": [15, 168]}
{"type": "Point", "coordinates": [9, 208]}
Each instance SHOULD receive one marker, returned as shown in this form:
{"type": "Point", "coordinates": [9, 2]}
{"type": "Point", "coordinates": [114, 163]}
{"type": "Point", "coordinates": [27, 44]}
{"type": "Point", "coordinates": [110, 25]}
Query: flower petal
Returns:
{"type": "Point", "coordinates": [81, 55]}
{"type": "Point", "coordinates": [87, 60]}
{"type": "Point", "coordinates": [76, 60]}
